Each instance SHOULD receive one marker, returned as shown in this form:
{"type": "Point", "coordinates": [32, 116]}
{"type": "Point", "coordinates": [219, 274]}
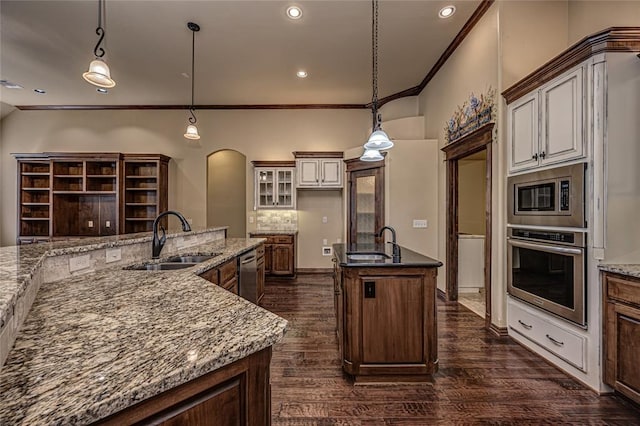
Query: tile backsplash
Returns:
{"type": "Point", "coordinates": [277, 220]}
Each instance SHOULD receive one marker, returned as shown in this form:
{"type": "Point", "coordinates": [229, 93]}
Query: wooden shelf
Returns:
{"type": "Point", "coordinates": [140, 204]}
{"type": "Point", "coordinates": [34, 218]}
{"type": "Point", "coordinates": [35, 173]}
{"type": "Point", "coordinates": [142, 177]}
{"type": "Point", "coordinates": [141, 219]}
{"type": "Point", "coordinates": [35, 189]}
{"type": "Point", "coordinates": [102, 176]}
{"type": "Point", "coordinates": [141, 189]}
{"type": "Point", "coordinates": [36, 204]}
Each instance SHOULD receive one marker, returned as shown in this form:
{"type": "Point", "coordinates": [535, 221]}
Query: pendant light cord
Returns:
{"type": "Point", "coordinates": [193, 118]}
{"type": "Point", "coordinates": [374, 64]}
{"type": "Point", "coordinates": [99, 51]}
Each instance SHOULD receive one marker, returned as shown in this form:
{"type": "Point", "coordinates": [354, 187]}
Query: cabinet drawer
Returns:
{"type": "Point", "coordinates": [260, 251]}
{"type": "Point", "coordinates": [279, 239]}
{"type": "Point", "coordinates": [228, 271]}
{"type": "Point", "coordinates": [551, 336]}
{"type": "Point", "coordinates": [231, 285]}
{"type": "Point", "coordinates": [623, 289]}
{"type": "Point", "coordinates": [211, 275]}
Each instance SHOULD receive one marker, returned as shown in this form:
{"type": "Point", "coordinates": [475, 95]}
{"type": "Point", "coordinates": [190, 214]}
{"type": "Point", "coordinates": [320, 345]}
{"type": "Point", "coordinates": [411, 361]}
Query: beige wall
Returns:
{"type": "Point", "coordinates": [259, 135]}
{"type": "Point", "coordinates": [473, 67]}
{"type": "Point", "coordinates": [590, 16]}
{"type": "Point", "coordinates": [226, 186]}
{"type": "Point", "coordinates": [471, 196]}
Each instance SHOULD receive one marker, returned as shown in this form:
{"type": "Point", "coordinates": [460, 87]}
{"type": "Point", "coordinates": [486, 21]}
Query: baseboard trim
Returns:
{"type": "Point", "coordinates": [309, 271]}
{"type": "Point", "coordinates": [441, 295]}
{"type": "Point", "coordinates": [499, 331]}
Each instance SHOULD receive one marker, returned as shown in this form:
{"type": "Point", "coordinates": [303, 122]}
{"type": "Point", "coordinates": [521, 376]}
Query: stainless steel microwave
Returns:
{"type": "Point", "coordinates": [552, 197]}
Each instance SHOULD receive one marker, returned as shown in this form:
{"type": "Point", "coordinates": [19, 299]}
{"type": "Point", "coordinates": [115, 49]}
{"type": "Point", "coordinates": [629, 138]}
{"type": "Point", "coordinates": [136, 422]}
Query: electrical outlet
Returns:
{"type": "Point", "coordinates": [327, 251]}
{"type": "Point", "coordinates": [79, 262]}
{"type": "Point", "coordinates": [90, 224]}
{"type": "Point", "coordinates": [324, 242]}
{"type": "Point", "coordinates": [325, 219]}
{"type": "Point", "coordinates": [419, 223]}
{"type": "Point", "coordinates": [251, 219]}
{"type": "Point", "coordinates": [113, 255]}
{"type": "Point", "coordinates": [107, 224]}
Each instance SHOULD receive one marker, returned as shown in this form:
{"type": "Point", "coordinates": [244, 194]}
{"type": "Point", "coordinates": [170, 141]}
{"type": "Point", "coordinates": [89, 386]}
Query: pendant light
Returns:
{"type": "Point", "coordinates": [192, 130]}
{"type": "Point", "coordinates": [99, 73]}
{"type": "Point", "coordinates": [378, 140]}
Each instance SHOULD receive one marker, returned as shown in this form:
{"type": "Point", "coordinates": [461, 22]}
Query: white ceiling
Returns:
{"type": "Point", "coordinates": [247, 52]}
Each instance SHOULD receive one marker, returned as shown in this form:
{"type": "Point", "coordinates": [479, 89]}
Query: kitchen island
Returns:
{"type": "Point", "coordinates": [123, 346]}
{"type": "Point", "coordinates": [386, 313]}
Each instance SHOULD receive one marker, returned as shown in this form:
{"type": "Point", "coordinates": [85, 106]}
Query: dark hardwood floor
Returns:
{"type": "Point", "coordinates": [482, 378]}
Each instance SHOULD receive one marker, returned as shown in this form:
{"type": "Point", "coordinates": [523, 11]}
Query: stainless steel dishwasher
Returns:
{"type": "Point", "coordinates": [248, 276]}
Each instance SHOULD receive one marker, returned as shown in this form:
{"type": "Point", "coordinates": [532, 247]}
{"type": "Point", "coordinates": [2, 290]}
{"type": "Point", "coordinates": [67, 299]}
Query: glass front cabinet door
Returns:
{"type": "Point", "coordinates": [275, 188]}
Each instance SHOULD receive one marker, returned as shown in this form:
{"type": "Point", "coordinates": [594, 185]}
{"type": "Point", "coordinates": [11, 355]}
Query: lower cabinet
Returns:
{"type": "Point", "coordinates": [621, 334]}
{"type": "Point", "coordinates": [225, 276]}
{"type": "Point", "coordinates": [237, 394]}
{"type": "Point", "coordinates": [279, 254]}
{"type": "Point", "coordinates": [386, 322]}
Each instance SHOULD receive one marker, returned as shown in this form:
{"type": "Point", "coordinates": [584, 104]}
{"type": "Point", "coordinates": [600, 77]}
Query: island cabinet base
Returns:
{"type": "Point", "coordinates": [237, 394]}
{"type": "Point", "coordinates": [387, 327]}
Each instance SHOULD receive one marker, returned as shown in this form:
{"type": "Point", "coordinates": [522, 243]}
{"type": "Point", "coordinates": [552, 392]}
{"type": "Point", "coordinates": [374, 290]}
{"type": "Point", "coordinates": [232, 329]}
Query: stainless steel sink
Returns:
{"type": "Point", "coordinates": [191, 258]}
{"type": "Point", "coordinates": [159, 266]}
{"type": "Point", "coordinates": [367, 256]}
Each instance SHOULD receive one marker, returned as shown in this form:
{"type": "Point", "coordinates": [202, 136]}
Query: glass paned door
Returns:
{"type": "Point", "coordinates": [285, 188]}
{"type": "Point", "coordinates": [265, 188]}
{"type": "Point", "coordinates": [366, 205]}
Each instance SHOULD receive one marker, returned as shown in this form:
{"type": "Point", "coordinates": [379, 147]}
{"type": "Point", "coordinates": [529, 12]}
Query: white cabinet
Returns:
{"type": "Point", "coordinates": [274, 188]}
{"type": "Point", "coordinates": [546, 126]}
{"type": "Point", "coordinates": [319, 173]}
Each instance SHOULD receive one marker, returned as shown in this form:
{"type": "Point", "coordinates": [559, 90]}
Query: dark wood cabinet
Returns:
{"type": "Point", "coordinates": [225, 276]}
{"type": "Point", "coordinates": [387, 322]}
{"type": "Point", "coordinates": [279, 254]}
{"type": "Point", "coordinates": [621, 334]}
{"type": "Point", "coordinates": [238, 394]}
{"type": "Point", "coordinates": [260, 270]}
{"type": "Point", "coordinates": [366, 200]}
{"type": "Point", "coordinates": [88, 194]}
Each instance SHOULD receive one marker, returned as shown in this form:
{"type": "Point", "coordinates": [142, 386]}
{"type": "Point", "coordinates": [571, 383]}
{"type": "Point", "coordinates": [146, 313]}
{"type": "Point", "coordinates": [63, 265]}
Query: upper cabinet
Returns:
{"type": "Point", "coordinates": [319, 169]}
{"type": "Point", "coordinates": [275, 184]}
{"type": "Point", "coordinates": [546, 125]}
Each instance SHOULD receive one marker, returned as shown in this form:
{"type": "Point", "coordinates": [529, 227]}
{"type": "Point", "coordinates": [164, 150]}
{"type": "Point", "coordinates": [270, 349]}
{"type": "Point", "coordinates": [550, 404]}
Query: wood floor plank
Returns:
{"type": "Point", "coordinates": [483, 379]}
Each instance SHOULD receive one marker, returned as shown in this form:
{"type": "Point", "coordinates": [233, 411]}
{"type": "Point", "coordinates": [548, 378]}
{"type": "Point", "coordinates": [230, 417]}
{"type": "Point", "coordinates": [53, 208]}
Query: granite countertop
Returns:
{"type": "Point", "coordinates": [97, 343]}
{"type": "Point", "coordinates": [630, 269]}
{"type": "Point", "coordinates": [274, 232]}
{"type": "Point", "coordinates": [408, 258]}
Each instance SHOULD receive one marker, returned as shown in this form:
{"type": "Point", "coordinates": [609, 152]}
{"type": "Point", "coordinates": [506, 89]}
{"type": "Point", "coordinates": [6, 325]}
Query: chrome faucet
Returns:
{"type": "Point", "coordinates": [396, 247]}
{"type": "Point", "coordinates": [158, 243]}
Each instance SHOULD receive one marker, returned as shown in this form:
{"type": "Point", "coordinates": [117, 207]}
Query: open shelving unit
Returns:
{"type": "Point", "coordinates": [34, 200]}
{"type": "Point", "coordinates": [145, 191]}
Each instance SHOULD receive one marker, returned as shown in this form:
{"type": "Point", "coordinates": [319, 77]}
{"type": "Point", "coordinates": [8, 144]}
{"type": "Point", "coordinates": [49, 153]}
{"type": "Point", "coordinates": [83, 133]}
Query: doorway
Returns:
{"type": "Point", "coordinates": [459, 155]}
{"type": "Point", "coordinates": [226, 191]}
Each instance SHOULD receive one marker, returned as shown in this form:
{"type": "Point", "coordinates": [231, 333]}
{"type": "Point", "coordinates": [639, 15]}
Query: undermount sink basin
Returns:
{"type": "Point", "coordinates": [191, 258]}
{"type": "Point", "coordinates": [367, 256]}
{"type": "Point", "coordinates": [159, 266]}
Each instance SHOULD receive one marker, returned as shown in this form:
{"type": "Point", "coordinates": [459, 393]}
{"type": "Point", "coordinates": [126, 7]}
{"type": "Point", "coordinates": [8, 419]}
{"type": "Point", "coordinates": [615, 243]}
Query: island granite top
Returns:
{"type": "Point", "coordinates": [97, 343]}
{"type": "Point", "coordinates": [408, 258]}
{"type": "Point", "coordinates": [629, 269]}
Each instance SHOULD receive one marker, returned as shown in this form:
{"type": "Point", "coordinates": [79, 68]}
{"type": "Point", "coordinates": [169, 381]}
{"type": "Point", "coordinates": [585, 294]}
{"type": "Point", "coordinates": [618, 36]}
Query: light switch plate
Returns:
{"type": "Point", "coordinates": [419, 223]}
{"type": "Point", "coordinates": [113, 255]}
{"type": "Point", "coordinates": [78, 263]}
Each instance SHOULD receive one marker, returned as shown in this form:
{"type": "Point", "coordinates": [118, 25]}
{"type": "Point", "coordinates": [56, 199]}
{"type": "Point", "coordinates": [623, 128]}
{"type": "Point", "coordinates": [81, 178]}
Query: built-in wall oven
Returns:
{"type": "Point", "coordinates": [547, 270]}
{"type": "Point", "coordinates": [546, 240]}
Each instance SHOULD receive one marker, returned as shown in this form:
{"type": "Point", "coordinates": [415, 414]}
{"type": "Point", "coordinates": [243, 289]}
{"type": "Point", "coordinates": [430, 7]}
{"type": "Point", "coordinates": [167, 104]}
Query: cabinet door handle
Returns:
{"type": "Point", "coordinates": [525, 325]}
{"type": "Point", "coordinates": [535, 156]}
{"type": "Point", "coordinates": [557, 342]}
{"type": "Point", "coordinates": [543, 154]}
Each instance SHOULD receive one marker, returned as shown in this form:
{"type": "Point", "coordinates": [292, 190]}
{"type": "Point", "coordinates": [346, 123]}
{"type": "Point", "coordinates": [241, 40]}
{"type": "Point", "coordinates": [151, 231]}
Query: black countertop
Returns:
{"type": "Point", "coordinates": [408, 258]}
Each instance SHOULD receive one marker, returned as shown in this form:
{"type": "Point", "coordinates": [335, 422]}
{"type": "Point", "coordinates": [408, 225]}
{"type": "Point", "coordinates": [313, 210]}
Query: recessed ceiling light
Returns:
{"type": "Point", "coordinates": [40, 91]}
{"type": "Point", "coordinates": [447, 11]}
{"type": "Point", "coordinates": [294, 12]}
{"type": "Point", "coordinates": [302, 74]}
{"type": "Point", "coordinates": [9, 85]}
{"type": "Point", "coordinates": [102, 90]}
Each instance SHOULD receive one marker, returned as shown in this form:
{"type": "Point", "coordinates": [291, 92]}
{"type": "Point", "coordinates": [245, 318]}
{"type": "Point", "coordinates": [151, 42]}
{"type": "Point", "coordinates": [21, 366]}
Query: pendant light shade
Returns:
{"type": "Point", "coordinates": [192, 130]}
{"type": "Point", "coordinates": [378, 140]}
{"type": "Point", "coordinates": [99, 73]}
{"type": "Point", "coordinates": [372, 155]}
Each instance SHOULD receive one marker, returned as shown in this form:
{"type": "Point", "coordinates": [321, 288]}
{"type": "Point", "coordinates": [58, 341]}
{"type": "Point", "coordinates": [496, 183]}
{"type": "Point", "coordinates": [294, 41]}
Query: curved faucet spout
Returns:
{"type": "Point", "coordinates": [158, 242]}
{"type": "Point", "coordinates": [396, 247]}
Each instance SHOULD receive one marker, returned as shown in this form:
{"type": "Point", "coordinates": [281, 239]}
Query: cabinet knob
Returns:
{"type": "Point", "coordinates": [535, 156]}
{"type": "Point", "coordinates": [543, 154]}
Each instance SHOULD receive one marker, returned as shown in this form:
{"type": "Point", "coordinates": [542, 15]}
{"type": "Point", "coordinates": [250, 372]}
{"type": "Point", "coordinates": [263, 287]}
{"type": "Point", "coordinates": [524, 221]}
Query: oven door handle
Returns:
{"type": "Point", "coordinates": [544, 247]}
